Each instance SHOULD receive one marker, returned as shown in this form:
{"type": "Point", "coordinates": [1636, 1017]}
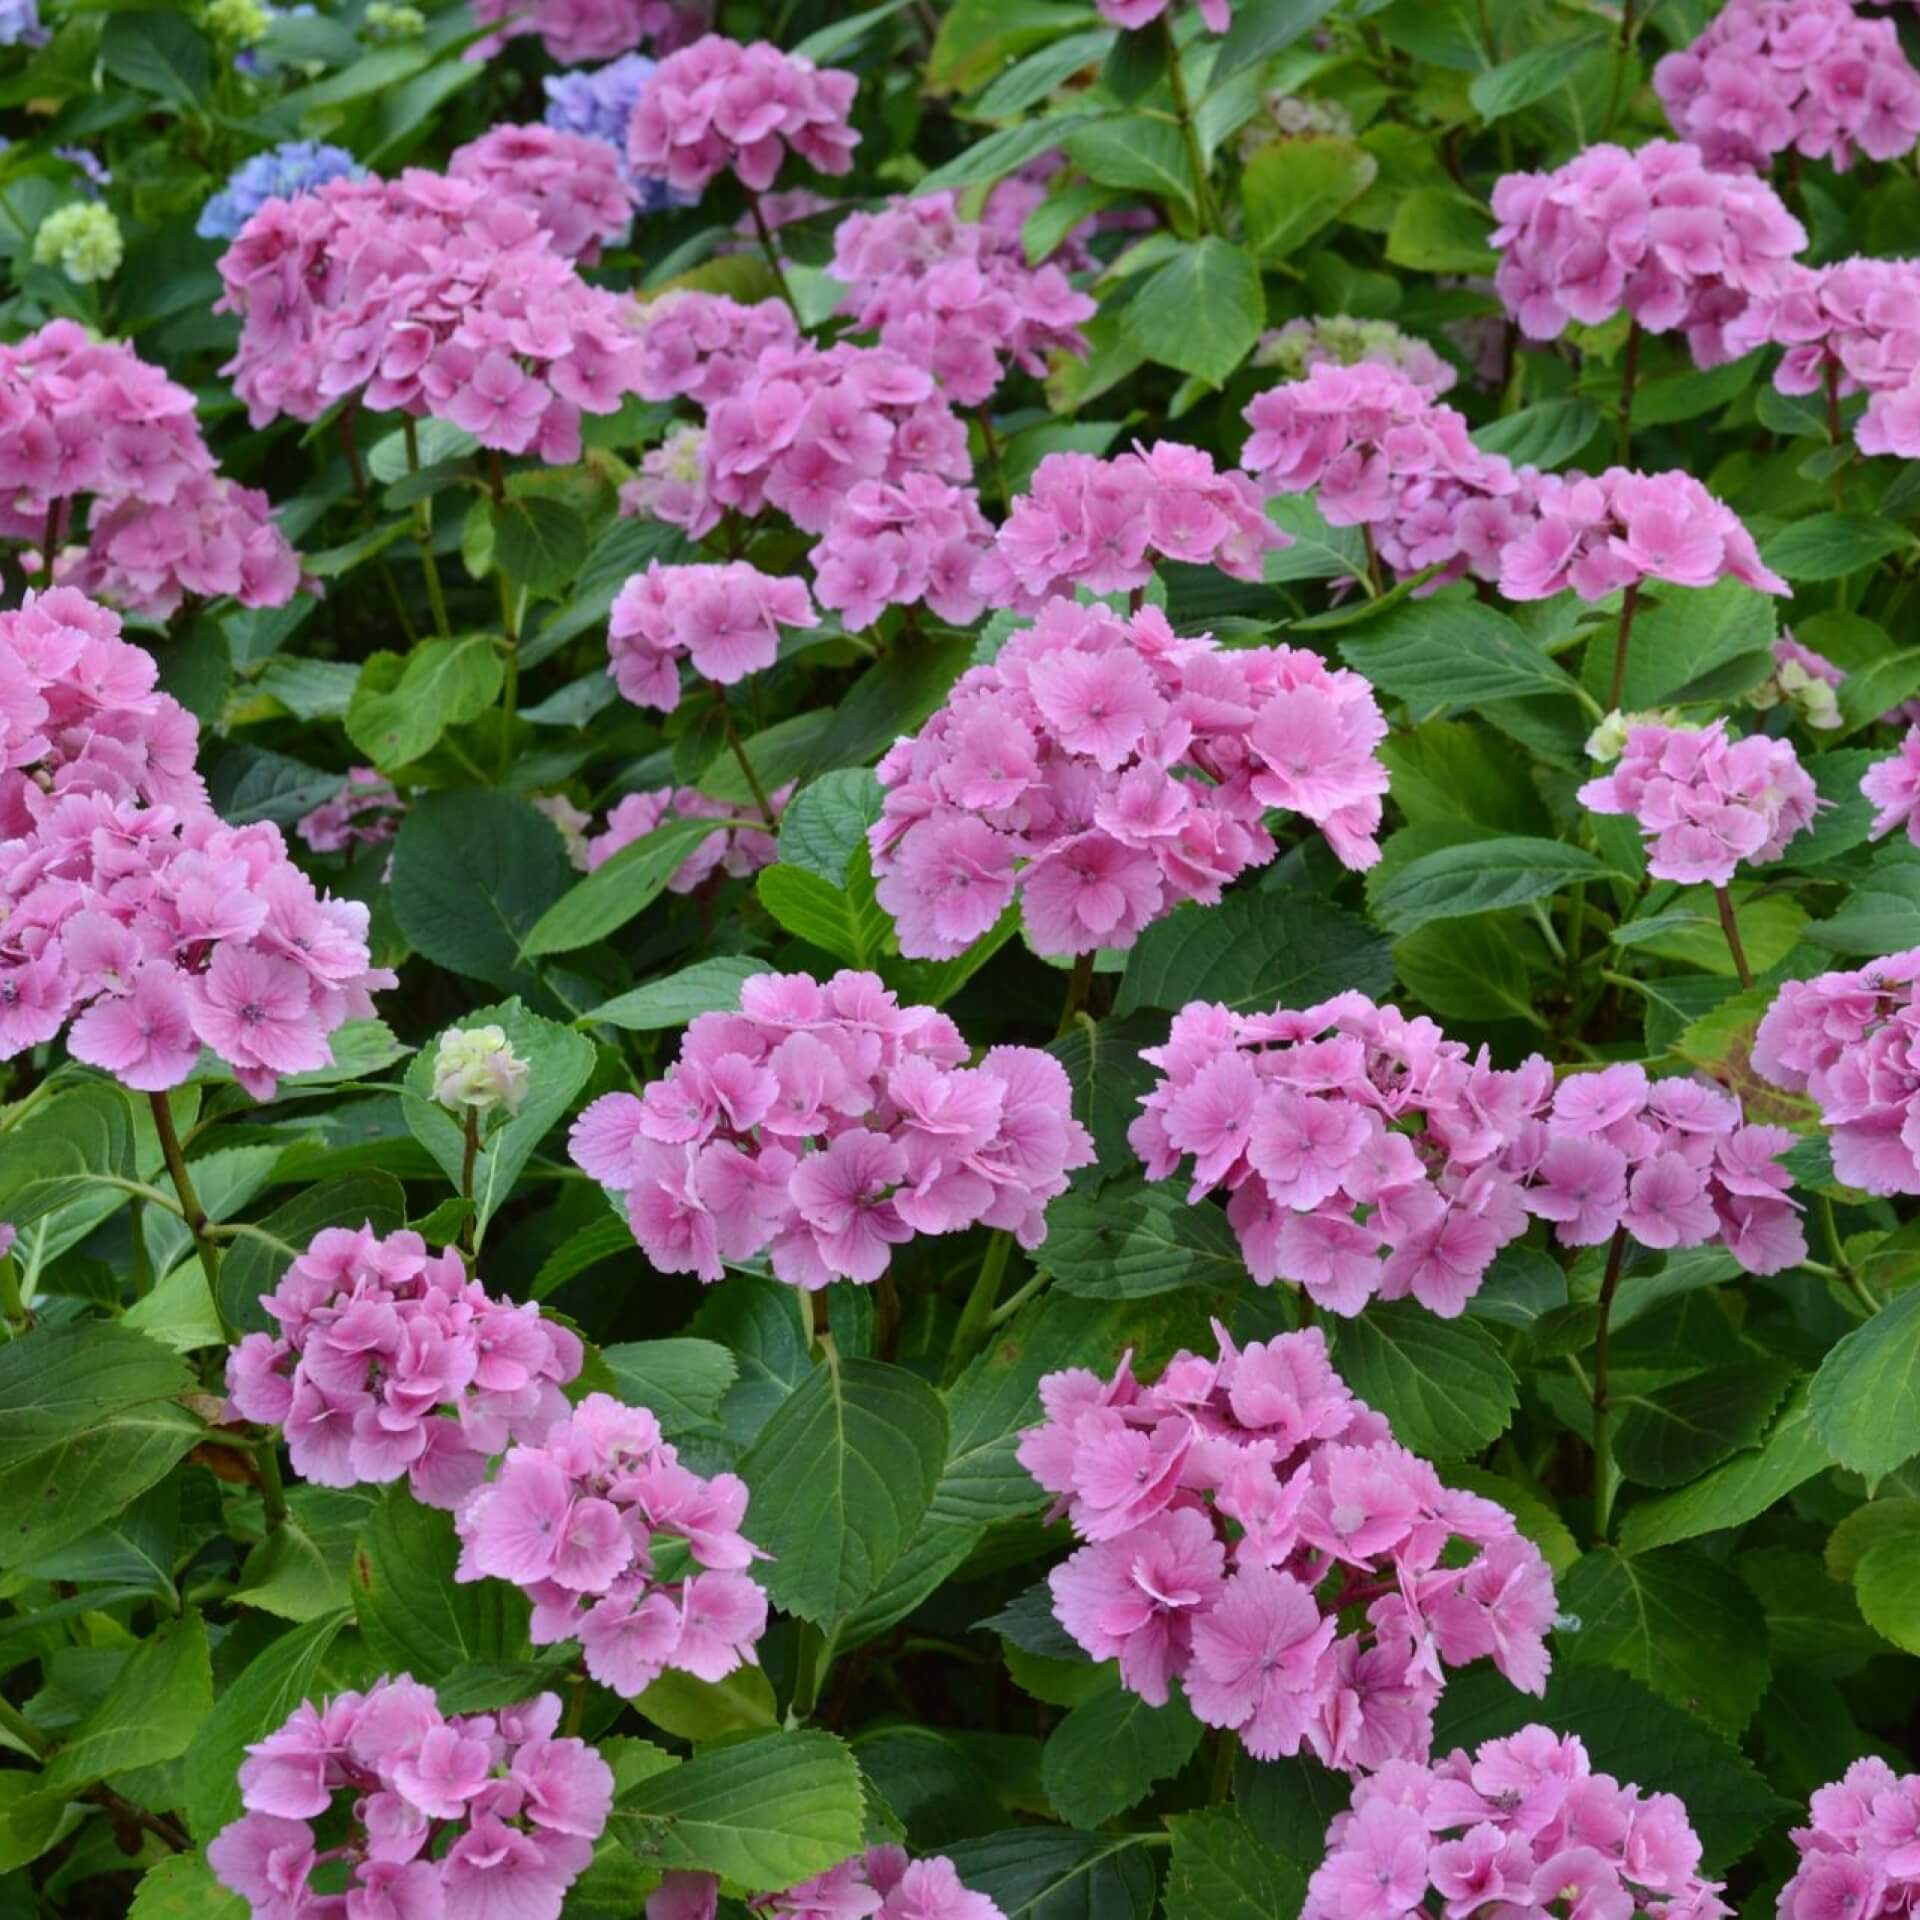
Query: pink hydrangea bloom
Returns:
{"type": "Point", "coordinates": [1106, 770]}
{"type": "Point", "coordinates": [1812, 75]}
{"type": "Point", "coordinates": [1846, 1040]}
{"type": "Point", "coordinates": [1520, 1825]}
{"type": "Point", "coordinates": [1654, 233]}
{"type": "Point", "coordinates": [673, 485]}
{"type": "Point", "coordinates": [883, 1883]}
{"type": "Point", "coordinates": [365, 812]}
{"type": "Point", "coordinates": [704, 346]}
{"type": "Point", "coordinates": [739, 851]}
{"type": "Point", "coordinates": [570, 183]}
{"type": "Point", "coordinates": [473, 1817]}
{"type": "Point", "coordinates": [1133, 14]}
{"type": "Point", "coordinates": [954, 295]}
{"type": "Point", "coordinates": [1216, 1505]}
{"type": "Point", "coordinates": [390, 1361]}
{"type": "Point", "coordinates": [1858, 1855]}
{"type": "Point", "coordinates": [718, 106]}
{"type": "Point", "coordinates": [129, 907]}
{"type": "Point", "coordinates": [828, 1124]}
{"type": "Point", "coordinates": [424, 295]}
{"type": "Point", "coordinates": [1706, 802]}
{"type": "Point", "coordinates": [724, 619]}
{"type": "Point", "coordinates": [573, 31]}
{"type": "Point", "coordinates": [577, 1521]}
{"type": "Point", "coordinates": [1092, 523]}
{"type": "Point", "coordinates": [890, 544]}
{"type": "Point", "coordinates": [1386, 455]}
{"type": "Point", "coordinates": [1599, 534]}
{"type": "Point", "coordinates": [1893, 785]}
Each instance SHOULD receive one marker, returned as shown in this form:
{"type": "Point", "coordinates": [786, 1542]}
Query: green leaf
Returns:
{"type": "Point", "coordinates": [702, 1710]}
{"type": "Point", "coordinates": [1102, 1059]}
{"type": "Point", "coordinates": [182, 1887]}
{"type": "Point", "coordinates": [160, 53]}
{"type": "Point", "coordinates": [999, 154]}
{"type": "Point", "coordinates": [1736, 1492]}
{"type": "Point", "coordinates": [473, 873]}
{"type": "Point", "coordinates": [288, 1573]}
{"type": "Point", "coordinates": [681, 1382]}
{"type": "Point", "coordinates": [1219, 1870]}
{"type": "Point", "coordinates": [1881, 912]}
{"type": "Point", "coordinates": [256, 1259]}
{"type": "Point", "coordinates": [764, 1814]}
{"type": "Point", "coordinates": [1106, 1755]}
{"type": "Point", "coordinates": [1689, 640]}
{"type": "Point", "coordinates": [708, 986]}
{"type": "Point", "coordinates": [1253, 952]}
{"type": "Point", "coordinates": [1443, 1385]}
{"type": "Point", "coordinates": [1028, 81]}
{"type": "Point", "coordinates": [400, 707]}
{"type": "Point", "coordinates": [1673, 1434]}
{"type": "Point", "coordinates": [1865, 1400]}
{"type": "Point", "coordinates": [764, 1325]}
{"type": "Point", "coordinates": [1052, 1873]}
{"type": "Point", "coordinates": [1469, 969]}
{"type": "Point", "coordinates": [841, 1476]}
{"type": "Point", "coordinates": [1128, 1240]}
{"type": "Point", "coordinates": [827, 43]}
{"type": "Point", "coordinates": [1262, 28]}
{"type": "Point", "coordinates": [1440, 230]}
{"type": "Point", "coordinates": [89, 1421]}
{"type": "Point", "coordinates": [414, 1616]}
{"type": "Point", "coordinates": [1293, 188]}
{"type": "Point", "coordinates": [1201, 312]}
{"type": "Point", "coordinates": [1887, 1583]}
{"type": "Point", "coordinates": [541, 544]}
{"type": "Point", "coordinates": [891, 698]}
{"type": "Point", "coordinates": [1136, 152]}
{"type": "Point", "coordinates": [847, 922]}
{"type": "Point", "coordinates": [613, 894]}
{"type": "Point", "coordinates": [1828, 546]}
{"type": "Point", "coordinates": [1319, 552]}
{"type": "Point", "coordinates": [1480, 877]}
{"type": "Point", "coordinates": [150, 1713]}
{"type": "Point", "coordinates": [1543, 435]}
{"type": "Point", "coordinates": [826, 822]}
{"type": "Point", "coordinates": [1686, 1625]}
{"type": "Point", "coordinates": [261, 1696]}
{"type": "Point", "coordinates": [1813, 1620]}
{"type": "Point", "coordinates": [558, 1062]}
{"type": "Point", "coordinates": [1446, 654]}
{"type": "Point", "coordinates": [1530, 76]}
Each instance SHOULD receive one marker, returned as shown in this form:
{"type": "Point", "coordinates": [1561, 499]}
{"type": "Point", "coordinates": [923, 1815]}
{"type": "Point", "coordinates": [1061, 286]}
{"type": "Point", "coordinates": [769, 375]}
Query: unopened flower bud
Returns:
{"type": "Point", "coordinates": [82, 239]}
{"type": "Point", "coordinates": [1608, 741]}
{"type": "Point", "coordinates": [477, 1070]}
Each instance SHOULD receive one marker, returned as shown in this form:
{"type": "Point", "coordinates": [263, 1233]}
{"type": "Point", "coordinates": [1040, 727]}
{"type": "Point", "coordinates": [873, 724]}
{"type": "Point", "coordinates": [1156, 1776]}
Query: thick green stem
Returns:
{"type": "Point", "coordinates": [273, 1491]}
{"type": "Point", "coordinates": [1183, 111]}
{"type": "Point", "coordinates": [1079, 985]}
{"type": "Point", "coordinates": [423, 533]}
{"type": "Point", "coordinates": [1605, 1479]}
{"type": "Point", "coordinates": [976, 1317]}
{"type": "Point", "coordinates": [191, 1211]}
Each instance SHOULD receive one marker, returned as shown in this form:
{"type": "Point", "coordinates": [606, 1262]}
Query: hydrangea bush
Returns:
{"type": "Point", "coordinates": [958, 961]}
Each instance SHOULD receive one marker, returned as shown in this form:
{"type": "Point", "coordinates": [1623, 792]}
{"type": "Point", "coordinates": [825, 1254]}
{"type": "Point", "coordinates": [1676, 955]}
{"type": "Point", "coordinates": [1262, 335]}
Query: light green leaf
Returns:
{"type": "Point", "coordinates": [1262, 28]}
{"type": "Point", "coordinates": [1443, 1385]}
{"type": "Point", "coordinates": [1865, 1400]}
{"type": "Point", "coordinates": [1293, 188]}
{"type": "Point", "coordinates": [613, 894]}
{"type": "Point", "coordinates": [256, 1259]}
{"type": "Point", "coordinates": [702, 1710]}
{"type": "Point", "coordinates": [150, 1713]}
{"type": "Point", "coordinates": [1201, 312]}
{"type": "Point", "coordinates": [826, 822]}
{"type": "Point", "coordinates": [1887, 1583]}
{"type": "Point", "coordinates": [159, 53]}
{"type": "Point", "coordinates": [680, 1381]}
{"type": "Point", "coordinates": [1828, 546]}
{"type": "Point", "coordinates": [1470, 969]}
{"type": "Point", "coordinates": [999, 154]}
{"type": "Point", "coordinates": [1530, 76]}
{"type": "Point", "coordinates": [707, 986]}
{"type": "Point", "coordinates": [1319, 552]}
{"type": "Point", "coordinates": [541, 544]}
{"type": "Point", "coordinates": [1542, 435]}
{"type": "Point", "coordinates": [183, 1888]}
{"type": "Point", "coordinates": [1440, 230]}
{"type": "Point", "coordinates": [1133, 151]}
{"type": "Point", "coordinates": [402, 705]}
{"type": "Point", "coordinates": [1446, 654]}
{"type": "Point", "coordinates": [847, 922]}
{"type": "Point", "coordinates": [1480, 877]}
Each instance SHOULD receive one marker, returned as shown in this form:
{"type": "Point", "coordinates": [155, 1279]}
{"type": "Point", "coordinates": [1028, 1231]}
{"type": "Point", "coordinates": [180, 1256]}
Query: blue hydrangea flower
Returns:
{"type": "Point", "coordinates": [598, 102]}
{"type": "Point", "coordinates": [298, 166]}
{"type": "Point", "coordinates": [20, 24]}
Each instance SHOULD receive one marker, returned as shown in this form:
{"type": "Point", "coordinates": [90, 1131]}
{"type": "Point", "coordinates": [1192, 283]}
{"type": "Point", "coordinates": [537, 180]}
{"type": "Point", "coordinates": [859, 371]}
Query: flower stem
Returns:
{"type": "Point", "coordinates": [976, 1317]}
{"type": "Point", "coordinates": [343, 423]}
{"type": "Point", "coordinates": [1605, 1480]}
{"type": "Point", "coordinates": [48, 542]}
{"type": "Point", "coordinates": [191, 1211]}
{"type": "Point", "coordinates": [1183, 112]}
{"type": "Point", "coordinates": [1622, 52]}
{"type": "Point", "coordinates": [1628, 602]}
{"type": "Point", "coordinates": [273, 1492]}
{"type": "Point", "coordinates": [423, 533]}
{"type": "Point", "coordinates": [739, 749]}
{"type": "Point", "coordinates": [1730, 926]}
{"type": "Point", "coordinates": [1844, 1269]}
{"type": "Point", "coordinates": [468, 1161]}
{"type": "Point", "coordinates": [810, 1664]}
{"type": "Point", "coordinates": [1079, 985]}
{"type": "Point", "coordinates": [991, 441]}
{"type": "Point", "coordinates": [773, 256]}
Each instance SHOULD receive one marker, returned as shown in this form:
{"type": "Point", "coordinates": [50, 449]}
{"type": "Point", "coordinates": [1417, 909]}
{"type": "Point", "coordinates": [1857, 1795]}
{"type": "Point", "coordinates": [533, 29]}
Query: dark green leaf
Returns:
{"type": "Point", "coordinates": [1443, 1384]}
{"type": "Point", "coordinates": [1106, 1755]}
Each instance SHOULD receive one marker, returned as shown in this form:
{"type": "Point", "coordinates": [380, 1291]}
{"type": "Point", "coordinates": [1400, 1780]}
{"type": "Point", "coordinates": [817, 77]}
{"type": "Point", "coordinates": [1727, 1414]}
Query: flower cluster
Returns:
{"type": "Point", "coordinates": [718, 107]}
{"type": "Point", "coordinates": [883, 1883]}
{"type": "Point", "coordinates": [1338, 340]}
{"type": "Point", "coordinates": [1654, 233]}
{"type": "Point", "coordinates": [899, 544]}
{"type": "Point", "coordinates": [1803, 680]}
{"type": "Point", "coordinates": [83, 240]}
{"type": "Point", "coordinates": [1597, 534]}
{"type": "Point", "coordinates": [213, 537]}
{"type": "Point", "coordinates": [811, 422]}
{"type": "Point", "coordinates": [673, 485]}
{"type": "Point", "coordinates": [1106, 771]}
{"type": "Point", "coordinates": [427, 295]}
{"type": "Point", "coordinates": [1847, 1041]}
{"type": "Point", "coordinates": [1857, 1857]}
{"type": "Point", "coordinates": [1705, 802]}
{"type": "Point", "coordinates": [517, 1809]}
{"type": "Point", "coordinates": [1813, 75]}
{"type": "Point", "coordinates": [739, 851]}
{"type": "Point", "coordinates": [365, 812]}
{"type": "Point", "coordinates": [573, 31]}
{"type": "Point", "coordinates": [1291, 116]}
{"type": "Point", "coordinates": [20, 24]}
{"type": "Point", "coordinates": [294, 167]}
{"type": "Point", "coordinates": [1893, 785]}
{"type": "Point", "coordinates": [475, 1070]}
{"type": "Point", "coordinates": [703, 346]}
{"type": "Point", "coordinates": [125, 903]}
{"type": "Point", "coordinates": [1853, 326]}
{"type": "Point", "coordinates": [1254, 1532]}
{"type": "Point", "coordinates": [585, 1521]}
{"type": "Point", "coordinates": [571, 183]}
{"type": "Point", "coordinates": [1086, 522]}
{"type": "Point", "coordinates": [1386, 455]}
{"type": "Point", "coordinates": [1522, 1825]}
{"type": "Point", "coordinates": [830, 1123]}
{"type": "Point", "coordinates": [390, 1361]}
{"type": "Point", "coordinates": [599, 104]}
{"type": "Point", "coordinates": [724, 619]}
{"type": "Point", "coordinates": [954, 295]}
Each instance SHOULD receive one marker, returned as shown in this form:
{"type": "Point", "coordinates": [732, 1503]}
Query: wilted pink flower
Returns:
{"type": "Point", "coordinates": [1216, 1507]}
